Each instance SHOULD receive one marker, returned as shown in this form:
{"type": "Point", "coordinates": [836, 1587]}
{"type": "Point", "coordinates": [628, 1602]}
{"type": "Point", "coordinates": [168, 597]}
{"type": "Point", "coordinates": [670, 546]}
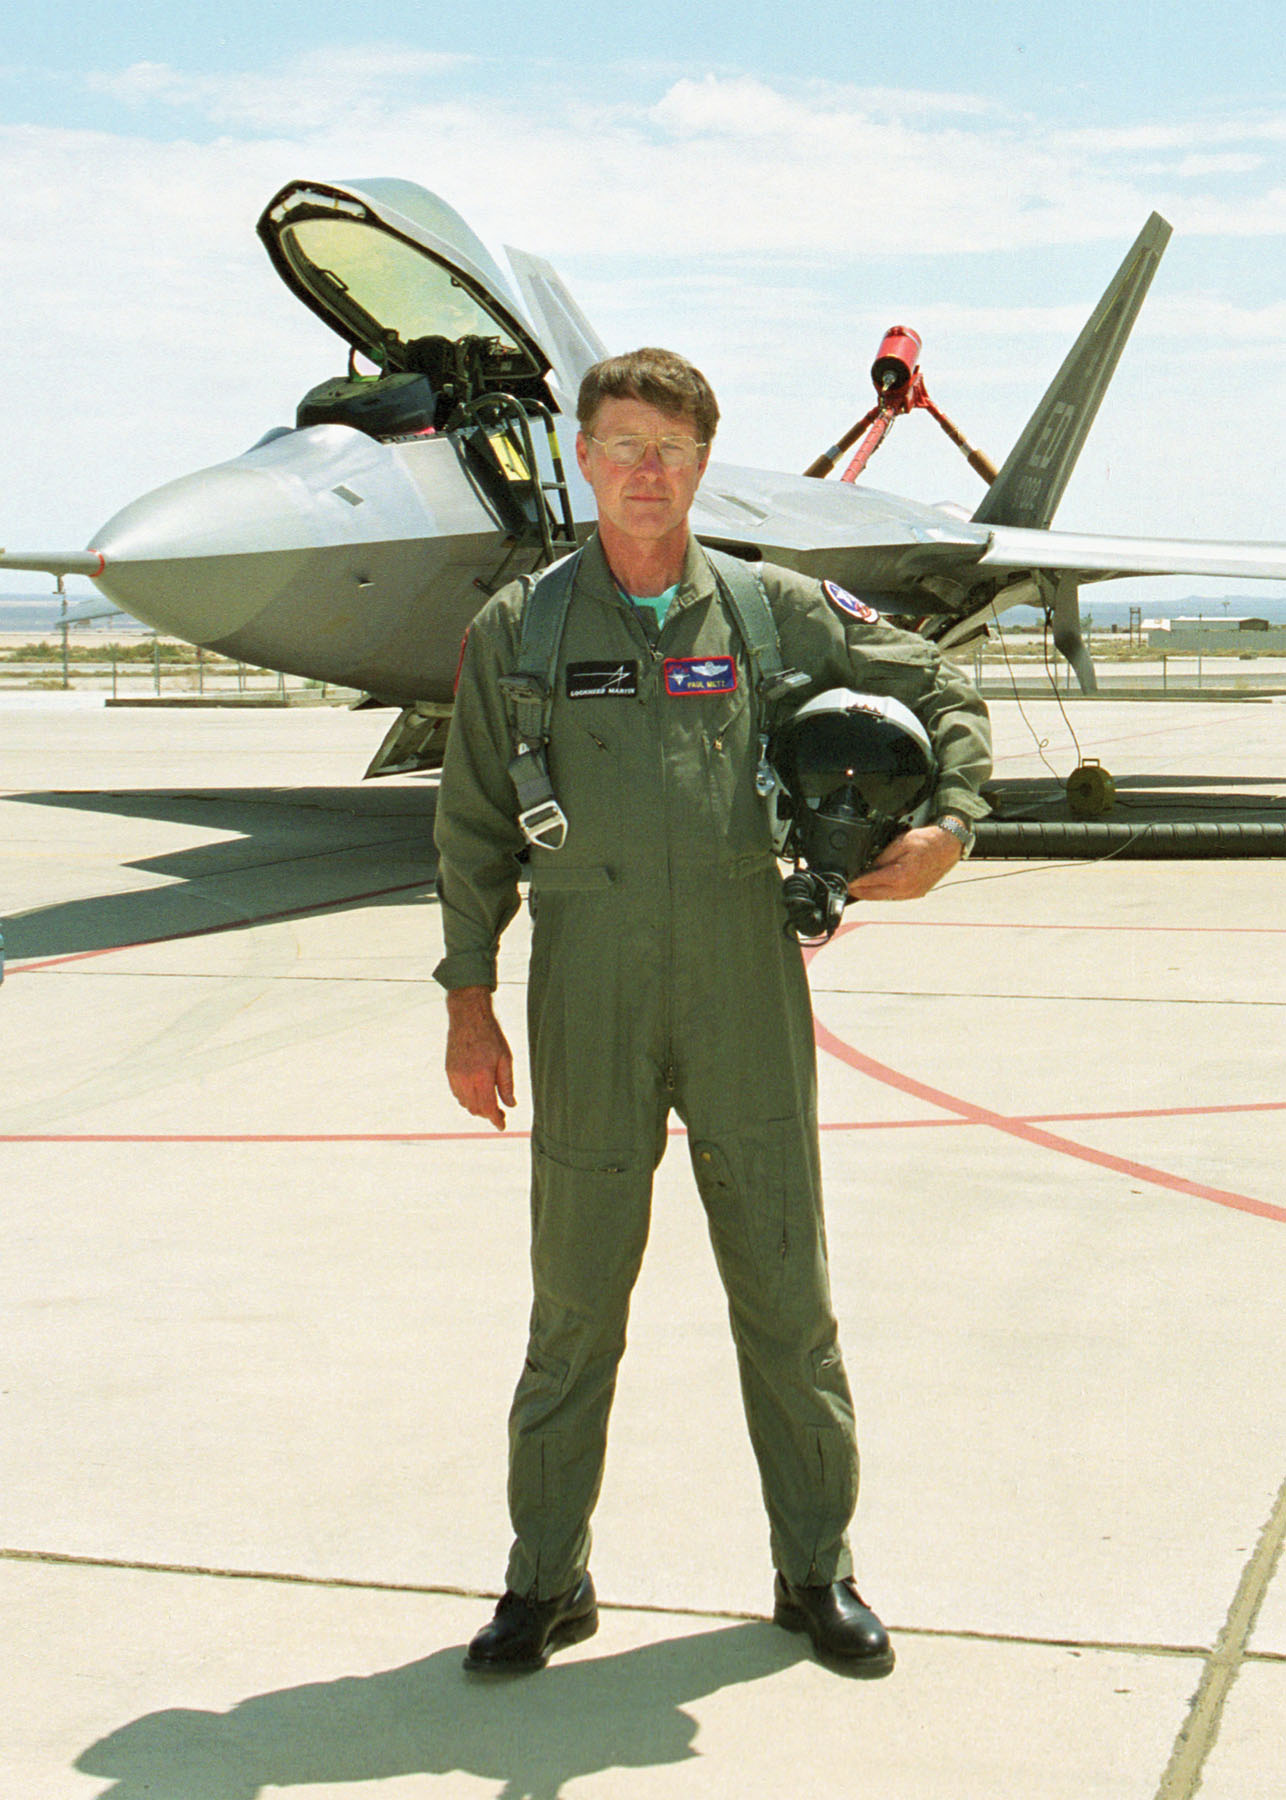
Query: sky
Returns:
{"type": "Point", "coordinates": [765, 188]}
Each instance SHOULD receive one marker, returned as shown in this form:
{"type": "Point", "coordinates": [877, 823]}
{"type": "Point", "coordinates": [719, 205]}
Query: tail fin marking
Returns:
{"type": "Point", "coordinates": [1030, 484]}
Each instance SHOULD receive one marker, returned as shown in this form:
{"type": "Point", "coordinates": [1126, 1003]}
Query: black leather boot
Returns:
{"type": "Point", "coordinates": [522, 1632]}
{"type": "Point", "coordinates": [839, 1622]}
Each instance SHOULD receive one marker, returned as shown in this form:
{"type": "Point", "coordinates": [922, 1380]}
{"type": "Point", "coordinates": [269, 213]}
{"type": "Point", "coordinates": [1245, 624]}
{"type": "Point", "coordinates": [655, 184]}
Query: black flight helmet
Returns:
{"type": "Point", "coordinates": [854, 771]}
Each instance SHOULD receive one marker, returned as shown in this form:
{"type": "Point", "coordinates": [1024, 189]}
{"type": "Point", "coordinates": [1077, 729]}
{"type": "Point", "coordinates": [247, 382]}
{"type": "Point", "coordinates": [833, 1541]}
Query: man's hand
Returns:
{"type": "Point", "coordinates": [909, 866]}
{"type": "Point", "coordinates": [480, 1065]}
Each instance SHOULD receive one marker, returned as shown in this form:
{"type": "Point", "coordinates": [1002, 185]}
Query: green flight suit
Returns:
{"type": "Point", "coordinates": [661, 978]}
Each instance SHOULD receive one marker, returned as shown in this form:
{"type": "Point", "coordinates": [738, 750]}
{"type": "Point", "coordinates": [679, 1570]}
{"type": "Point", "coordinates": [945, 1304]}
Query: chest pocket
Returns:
{"type": "Point", "coordinates": [730, 752]}
{"type": "Point", "coordinates": [586, 768]}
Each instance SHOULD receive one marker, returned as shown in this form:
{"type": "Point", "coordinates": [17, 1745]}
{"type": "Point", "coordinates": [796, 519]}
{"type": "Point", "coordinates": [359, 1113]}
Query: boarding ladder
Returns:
{"type": "Point", "coordinates": [494, 439]}
{"type": "Point", "coordinates": [496, 436]}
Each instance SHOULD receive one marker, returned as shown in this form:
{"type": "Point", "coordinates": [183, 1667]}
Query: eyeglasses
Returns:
{"type": "Point", "coordinates": [627, 452]}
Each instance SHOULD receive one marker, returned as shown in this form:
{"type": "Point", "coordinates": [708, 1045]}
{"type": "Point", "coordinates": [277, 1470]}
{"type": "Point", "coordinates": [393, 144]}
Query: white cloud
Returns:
{"type": "Point", "coordinates": [316, 89]}
{"type": "Point", "coordinates": [736, 218]}
{"type": "Point", "coordinates": [1226, 163]}
{"type": "Point", "coordinates": [746, 108]}
{"type": "Point", "coordinates": [1182, 134]}
{"type": "Point", "coordinates": [726, 164]}
{"type": "Point", "coordinates": [143, 82]}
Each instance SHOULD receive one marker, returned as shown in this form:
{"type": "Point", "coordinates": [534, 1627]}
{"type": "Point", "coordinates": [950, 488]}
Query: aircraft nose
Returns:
{"type": "Point", "coordinates": [204, 554]}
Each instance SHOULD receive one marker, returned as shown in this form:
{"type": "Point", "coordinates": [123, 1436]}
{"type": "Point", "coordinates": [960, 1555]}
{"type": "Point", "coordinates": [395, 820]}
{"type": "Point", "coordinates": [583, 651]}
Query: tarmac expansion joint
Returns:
{"type": "Point", "coordinates": [1201, 1728]}
{"type": "Point", "coordinates": [450, 1590]}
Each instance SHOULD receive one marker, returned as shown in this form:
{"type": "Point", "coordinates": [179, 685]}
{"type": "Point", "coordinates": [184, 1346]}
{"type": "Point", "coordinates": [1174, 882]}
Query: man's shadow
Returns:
{"type": "Point", "coordinates": [531, 1732]}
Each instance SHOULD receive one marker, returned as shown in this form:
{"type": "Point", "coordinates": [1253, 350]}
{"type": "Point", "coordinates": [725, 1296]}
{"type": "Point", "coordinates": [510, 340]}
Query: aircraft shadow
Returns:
{"type": "Point", "coordinates": [531, 1733]}
{"type": "Point", "coordinates": [288, 852]}
{"type": "Point", "coordinates": [270, 851]}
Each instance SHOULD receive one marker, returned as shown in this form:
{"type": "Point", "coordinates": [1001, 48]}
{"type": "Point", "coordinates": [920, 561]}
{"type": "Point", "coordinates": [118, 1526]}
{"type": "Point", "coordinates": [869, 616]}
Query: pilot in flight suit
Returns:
{"type": "Point", "coordinates": [662, 979]}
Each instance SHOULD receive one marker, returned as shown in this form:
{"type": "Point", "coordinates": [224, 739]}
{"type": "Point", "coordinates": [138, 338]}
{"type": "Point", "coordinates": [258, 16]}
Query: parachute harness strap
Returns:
{"type": "Point", "coordinates": [529, 695]}
{"type": "Point", "coordinates": [529, 691]}
{"type": "Point", "coordinates": [746, 595]}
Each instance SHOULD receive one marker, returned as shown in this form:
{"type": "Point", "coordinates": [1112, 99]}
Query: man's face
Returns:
{"type": "Point", "coordinates": [648, 502]}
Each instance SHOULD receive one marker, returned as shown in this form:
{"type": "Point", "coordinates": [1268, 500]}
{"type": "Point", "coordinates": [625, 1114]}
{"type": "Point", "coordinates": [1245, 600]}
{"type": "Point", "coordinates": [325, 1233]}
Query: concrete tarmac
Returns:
{"type": "Point", "coordinates": [265, 1290]}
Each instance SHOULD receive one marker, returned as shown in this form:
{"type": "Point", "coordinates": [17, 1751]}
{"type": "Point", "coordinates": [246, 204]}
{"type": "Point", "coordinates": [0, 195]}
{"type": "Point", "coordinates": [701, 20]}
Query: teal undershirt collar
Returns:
{"type": "Point", "coordinates": [654, 603]}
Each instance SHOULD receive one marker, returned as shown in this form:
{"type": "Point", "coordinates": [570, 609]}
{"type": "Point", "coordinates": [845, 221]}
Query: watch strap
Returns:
{"type": "Point", "coordinates": [958, 828]}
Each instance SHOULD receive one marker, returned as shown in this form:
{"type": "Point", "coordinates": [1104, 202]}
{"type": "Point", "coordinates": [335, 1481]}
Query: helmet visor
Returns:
{"type": "Point", "coordinates": [887, 768]}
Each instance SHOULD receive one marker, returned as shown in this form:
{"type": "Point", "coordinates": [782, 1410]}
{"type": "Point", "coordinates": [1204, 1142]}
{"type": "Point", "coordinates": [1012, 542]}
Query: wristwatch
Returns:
{"type": "Point", "coordinates": [960, 829]}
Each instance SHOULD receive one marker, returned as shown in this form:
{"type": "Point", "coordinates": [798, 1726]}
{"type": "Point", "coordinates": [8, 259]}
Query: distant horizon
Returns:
{"type": "Point", "coordinates": [40, 612]}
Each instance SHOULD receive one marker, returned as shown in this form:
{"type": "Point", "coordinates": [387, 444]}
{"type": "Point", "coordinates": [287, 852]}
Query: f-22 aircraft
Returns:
{"type": "Point", "coordinates": [355, 547]}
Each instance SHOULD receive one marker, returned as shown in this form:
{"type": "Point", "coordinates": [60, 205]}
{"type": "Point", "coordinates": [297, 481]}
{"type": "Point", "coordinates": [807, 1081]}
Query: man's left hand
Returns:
{"type": "Point", "coordinates": [909, 866]}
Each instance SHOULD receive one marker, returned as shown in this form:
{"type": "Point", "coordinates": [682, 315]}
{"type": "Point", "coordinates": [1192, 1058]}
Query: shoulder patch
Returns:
{"type": "Point", "coordinates": [849, 604]}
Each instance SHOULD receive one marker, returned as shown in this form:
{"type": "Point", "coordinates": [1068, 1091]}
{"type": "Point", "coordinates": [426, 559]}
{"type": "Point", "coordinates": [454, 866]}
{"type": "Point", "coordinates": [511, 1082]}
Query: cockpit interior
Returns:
{"type": "Point", "coordinates": [422, 305]}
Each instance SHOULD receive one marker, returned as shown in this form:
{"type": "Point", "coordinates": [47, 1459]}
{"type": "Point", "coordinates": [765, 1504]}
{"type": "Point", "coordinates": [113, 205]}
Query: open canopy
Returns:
{"type": "Point", "coordinates": [390, 267]}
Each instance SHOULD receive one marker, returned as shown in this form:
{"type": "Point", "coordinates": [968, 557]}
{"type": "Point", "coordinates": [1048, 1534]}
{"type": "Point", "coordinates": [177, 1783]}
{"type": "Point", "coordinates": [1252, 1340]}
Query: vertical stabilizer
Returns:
{"type": "Point", "coordinates": [569, 340]}
{"type": "Point", "coordinates": [1031, 483]}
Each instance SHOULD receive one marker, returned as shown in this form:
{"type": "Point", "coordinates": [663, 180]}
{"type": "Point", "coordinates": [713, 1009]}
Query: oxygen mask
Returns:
{"type": "Point", "coordinates": [838, 839]}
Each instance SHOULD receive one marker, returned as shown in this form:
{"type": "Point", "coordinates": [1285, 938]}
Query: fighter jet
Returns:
{"type": "Point", "coordinates": [355, 547]}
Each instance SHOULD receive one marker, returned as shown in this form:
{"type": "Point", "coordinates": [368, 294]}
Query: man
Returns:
{"type": "Point", "coordinates": [662, 978]}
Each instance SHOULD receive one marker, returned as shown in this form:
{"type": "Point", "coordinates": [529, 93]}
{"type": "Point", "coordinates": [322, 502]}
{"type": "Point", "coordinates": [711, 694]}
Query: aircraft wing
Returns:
{"type": "Point", "coordinates": [1088, 557]}
{"type": "Point", "coordinates": [889, 546]}
{"type": "Point", "coordinates": [81, 612]}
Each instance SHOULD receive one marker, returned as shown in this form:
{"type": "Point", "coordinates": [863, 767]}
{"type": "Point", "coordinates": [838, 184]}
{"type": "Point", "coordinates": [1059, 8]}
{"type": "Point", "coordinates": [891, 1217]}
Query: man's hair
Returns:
{"type": "Point", "coordinates": [656, 377]}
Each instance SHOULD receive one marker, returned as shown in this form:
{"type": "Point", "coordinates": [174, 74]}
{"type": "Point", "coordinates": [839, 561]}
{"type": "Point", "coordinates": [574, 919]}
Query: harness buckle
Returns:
{"type": "Point", "coordinates": [786, 681]}
{"type": "Point", "coordinates": [524, 686]}
{"type": "Point", "coordinates": [544, 825]}
{"type": "Point", "coordinates": [765, 778]}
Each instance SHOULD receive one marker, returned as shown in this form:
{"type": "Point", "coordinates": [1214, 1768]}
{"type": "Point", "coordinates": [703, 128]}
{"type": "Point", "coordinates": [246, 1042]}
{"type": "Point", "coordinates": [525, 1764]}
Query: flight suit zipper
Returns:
{"type": "Point", "coordinates": [716, 742]}
{"type": "Point", "coordinates": [657, 722]}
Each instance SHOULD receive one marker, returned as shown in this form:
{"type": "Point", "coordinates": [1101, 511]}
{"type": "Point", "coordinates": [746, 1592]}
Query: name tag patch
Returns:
{"type": "Point", "coordinates": [844, 602]}
{"type": "Point", "coordinates": [598, 680]}
{"type": "Point", "coordinates": [700, 675]}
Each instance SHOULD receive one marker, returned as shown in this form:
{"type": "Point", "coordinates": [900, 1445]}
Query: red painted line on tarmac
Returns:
{"type": "Point", "coordinates": [18, 967]}
{"type": "Point", "coordinates": [1034, 1134]}
{"type": "Point", "coordinates": [199, 931]}
{"type": "Point", "coordinates": [1026, 1130]}
{"type": "Point", "coordinates": [14, 967]}
{"type": "Point", "coordinates": [1155, 1112]}
{"type": "Point", "coordinates": [1029, 925]}
{"type": "Point", "coordinates": [888, 1124]}
{"type": "Point", "coordinates": [675, 1131]}
{"type": "Point", "coordinates": [1072, 1118]}
{"type": "Point", "coordinates": [256, 1137]}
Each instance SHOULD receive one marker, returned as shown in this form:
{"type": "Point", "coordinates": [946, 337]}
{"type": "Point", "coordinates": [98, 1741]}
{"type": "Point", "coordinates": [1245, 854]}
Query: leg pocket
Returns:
{"type": "Point", "coordinates": [761, 1190]}
{"type": "Point", "coordinates": [590, 1210]}
{"type": "Point", "coordinates": [539, 1394]}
